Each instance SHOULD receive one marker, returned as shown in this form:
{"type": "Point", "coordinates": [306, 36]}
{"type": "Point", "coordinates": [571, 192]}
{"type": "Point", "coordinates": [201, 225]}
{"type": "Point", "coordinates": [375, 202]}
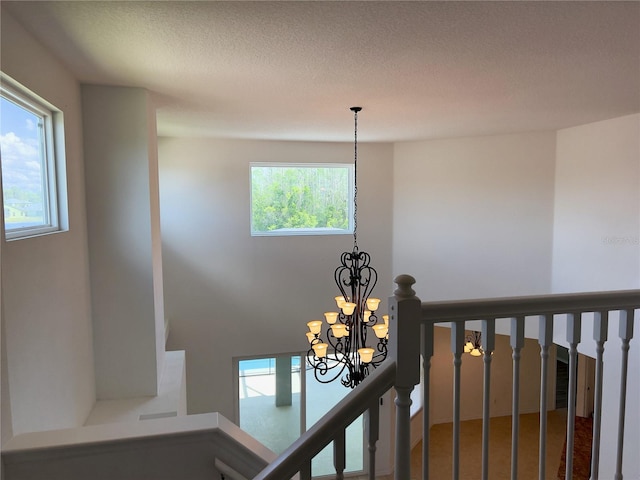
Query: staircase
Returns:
{"type": "Point", "coordinates": [209, 446]}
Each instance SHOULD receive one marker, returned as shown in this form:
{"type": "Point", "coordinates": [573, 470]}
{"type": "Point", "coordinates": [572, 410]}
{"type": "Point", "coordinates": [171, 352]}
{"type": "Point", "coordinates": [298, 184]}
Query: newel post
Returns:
{"type": "Point", "coordinates": [404, 348]}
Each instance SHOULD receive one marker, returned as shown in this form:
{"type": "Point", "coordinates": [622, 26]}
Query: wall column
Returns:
{"type": "Point", "coordinates": [120, 150]}
{"type": "Point", "coordinates": [283, 381]}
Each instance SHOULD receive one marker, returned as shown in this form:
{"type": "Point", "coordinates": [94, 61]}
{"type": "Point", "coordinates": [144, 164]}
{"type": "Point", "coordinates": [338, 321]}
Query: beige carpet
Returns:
{"type": "Point", "coordinates": [499, 449]}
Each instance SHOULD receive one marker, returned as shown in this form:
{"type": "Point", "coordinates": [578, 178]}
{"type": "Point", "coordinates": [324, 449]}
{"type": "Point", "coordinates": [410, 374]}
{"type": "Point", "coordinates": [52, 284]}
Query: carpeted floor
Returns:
{"type": "Point", "coordinates": [581, 451]}
{"type": "Point", "coordinates": [499, 449]}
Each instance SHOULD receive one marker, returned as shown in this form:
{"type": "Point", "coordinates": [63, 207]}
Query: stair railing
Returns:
{"type": "Point", "coordinates": [570, 311]}
{"type": "Point", "coordinates": [412, 339]}
{"type": "Point", "coordinates": [331, 427]}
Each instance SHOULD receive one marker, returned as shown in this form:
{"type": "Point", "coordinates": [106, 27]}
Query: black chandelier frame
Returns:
{"type": "Point", "coordinates": [355, 278]}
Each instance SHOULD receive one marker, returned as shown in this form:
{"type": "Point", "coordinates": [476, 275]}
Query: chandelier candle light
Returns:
{"type": "Point", "coordinates": [345, 351]}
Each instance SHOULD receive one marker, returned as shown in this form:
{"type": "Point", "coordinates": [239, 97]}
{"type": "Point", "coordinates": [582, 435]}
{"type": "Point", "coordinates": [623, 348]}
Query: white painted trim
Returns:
{"type": "Point", "coordinates": [228, 442]}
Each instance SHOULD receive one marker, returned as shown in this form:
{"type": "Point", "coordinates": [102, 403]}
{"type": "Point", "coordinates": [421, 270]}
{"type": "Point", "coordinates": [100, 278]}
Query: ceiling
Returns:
{"type": "Point", "coordinates": [291, 70]}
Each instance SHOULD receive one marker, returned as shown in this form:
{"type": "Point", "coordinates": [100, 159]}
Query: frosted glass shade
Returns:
{"type": "Point", "coordinates": [340, 301]}
{"type": "Point", "coordinates": [331, 317]}
{"type": "Point", "coordinates": [475, 352]}
{"type": "Point", "coordinates": [310, 337]}
{"type": "Point", "coordinates": [320, 349]}
{"type": "Point", "coordinates": [372, 304]}
{"type": "Point", "coordinates": [386, 319]}
{"type": "Point", "coordinates": [366, 354]}
{"type": "Point", "coordinates": [348, 308]}
{"type": "Point", "coordinates": [339, 330]}
{"type": "Point", "coordinates": [380, 330]}
{"type": "Point", "coordinates": [314, 326]}
{"type": "Point", "coordinates": [468, 347]}
{"type": "Point", "coordinates": [366, 316]}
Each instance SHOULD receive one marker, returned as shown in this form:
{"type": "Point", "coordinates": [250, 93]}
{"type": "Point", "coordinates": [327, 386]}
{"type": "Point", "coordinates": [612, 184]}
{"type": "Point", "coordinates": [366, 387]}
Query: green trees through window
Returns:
{"type": "Point", "coordinates": [301, 199]}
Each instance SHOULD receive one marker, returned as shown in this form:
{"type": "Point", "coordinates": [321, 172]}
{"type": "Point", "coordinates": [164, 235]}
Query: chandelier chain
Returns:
{"type": "Point", "coordinates": [355, 181]}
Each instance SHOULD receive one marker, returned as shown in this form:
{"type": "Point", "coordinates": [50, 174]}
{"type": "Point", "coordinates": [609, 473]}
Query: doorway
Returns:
{"type": "Point", "coordinates": [585, 382]}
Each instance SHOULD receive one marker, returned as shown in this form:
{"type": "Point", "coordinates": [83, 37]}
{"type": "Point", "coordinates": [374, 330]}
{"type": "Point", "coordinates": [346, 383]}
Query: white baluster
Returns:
{"type": "Point", "coordinates": [457, 347]}
{"type": "Point", "coordinates": [305, 470]}
{"type": "Point", "coordinates": [403, 425]}
{"type": "Point", "coordinates": [626, 333]}
{"type": "Point", "coordinates": [427, 353]}
{"type": "Point", "coordinates": [545, 339]}
{"type": "Point", "coordinates": [339, 446]}
{"type": "Point", "coordinates": [574, 324]}
{"type": "Point", "coordinates": [488, 346]}
{"type": "Point", "coordinates": [517, 342]}
{"type": "Point", "coordinates": [600, 332]}
{"type": "Point", "coordinates": [372, 430]}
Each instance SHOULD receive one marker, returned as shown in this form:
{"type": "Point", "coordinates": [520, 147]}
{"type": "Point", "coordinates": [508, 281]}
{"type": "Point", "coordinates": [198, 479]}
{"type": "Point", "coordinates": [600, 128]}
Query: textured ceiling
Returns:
{"type": "Point", "coordinates": [291, 70]}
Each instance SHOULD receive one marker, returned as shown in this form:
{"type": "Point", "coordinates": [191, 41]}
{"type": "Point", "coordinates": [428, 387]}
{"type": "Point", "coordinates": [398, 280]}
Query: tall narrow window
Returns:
{"type": "Point", "coordinates": [27, 155]}
{"type": "Point", "coordinates": [301, 199]}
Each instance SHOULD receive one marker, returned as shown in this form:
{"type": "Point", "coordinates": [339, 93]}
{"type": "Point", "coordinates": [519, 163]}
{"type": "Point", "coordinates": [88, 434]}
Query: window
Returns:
{"type": "Point", "coordinates": [28, 158]}
{"type": "Point", "coordinates": [301, 199]}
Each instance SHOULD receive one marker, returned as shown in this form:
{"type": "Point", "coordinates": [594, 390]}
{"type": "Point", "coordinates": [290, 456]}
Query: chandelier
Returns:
{"type": "Point", "coordinates": [473, 344]}
{"type": "Point", "coordinates": [345, 352]}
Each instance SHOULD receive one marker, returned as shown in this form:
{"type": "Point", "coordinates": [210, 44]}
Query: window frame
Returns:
{"type": "Point", "coordinates": [305, 231]}
{"type": "Point", "coordinates": [51, 158]}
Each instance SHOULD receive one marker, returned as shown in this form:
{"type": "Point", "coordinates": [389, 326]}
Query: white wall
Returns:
{"type": "Point", "coordinates": [228, 294]}
{"type": "Point", "coordinates": [596, 247]}
{"type": "Point", "coordinates": [473, 217]}
{"type": "Point", "coordinates": [123, 217]}
{"type": "Point", "coordinates": [597, 212]}
{"type": "Point", "coordinates": [156, 241]}
{"type": "Point", "coordinates": [45, 280]}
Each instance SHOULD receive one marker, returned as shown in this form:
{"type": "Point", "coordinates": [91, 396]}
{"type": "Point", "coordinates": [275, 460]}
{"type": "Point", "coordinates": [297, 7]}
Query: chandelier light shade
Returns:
{"type": "Point", "coordinates": [473, 345]}
{"type": "Point", "coordinates": [355, 340]}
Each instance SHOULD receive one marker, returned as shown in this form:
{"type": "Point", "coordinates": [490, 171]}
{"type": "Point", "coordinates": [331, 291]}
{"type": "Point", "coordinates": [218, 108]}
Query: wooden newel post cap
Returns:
{"type": "Point", "coordinates": [404, 283]}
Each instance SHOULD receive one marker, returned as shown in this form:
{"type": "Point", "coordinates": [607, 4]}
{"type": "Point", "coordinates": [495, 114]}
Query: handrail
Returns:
{"type": "Point", "coordinates": [459, 310]}
{"type": "Point", "coordinates": [324, 430]}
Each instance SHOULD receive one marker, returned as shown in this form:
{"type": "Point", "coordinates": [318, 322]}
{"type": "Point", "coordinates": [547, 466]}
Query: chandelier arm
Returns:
{"type": "Point", "coordinates": [346, 275]}
{"type": "Point", "coordinates": [363, 333]}
{"type": "Point", "coordinates": [330, 340]}
{"type": "Point", "coordinates": [382, 353]}
{"type": "Point", "coordinates": [322, 363]}
{"type": "Point", "coordinates": [371, 278]}
{"type": "Point", "coordinates": [322, 367]}
{"type": "Point", "coordinates": [368, 279]}
{"type": "Point", "coordinates": [319, 373]}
